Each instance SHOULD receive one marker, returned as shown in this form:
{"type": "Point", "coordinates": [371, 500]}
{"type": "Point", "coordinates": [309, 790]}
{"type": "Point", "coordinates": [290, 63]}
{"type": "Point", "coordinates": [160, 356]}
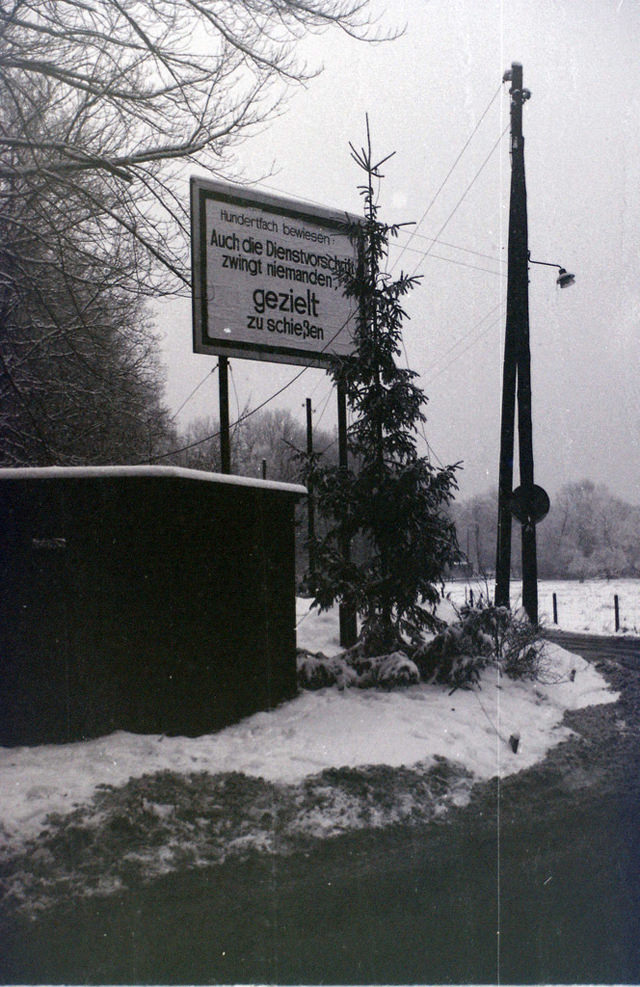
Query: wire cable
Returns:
{"type": "Point", "coordinates": [194, 391]}
{"type": "Point", "coordinates": [451, 170]}
{"type": "Point", "coordinates": [466, 335]}
{"type": "Point", "coordinates": [463, 196]}
{"type": "Point", "coordinates": [430, 451]}
{"type": "Point", "coordinates": [253, 411]}
{"type": "Point", "coordinates": [455, 246]}
{"type": "Point", "coordinates": [452, 260]}
{"type": "Point", "coordinates": [324, 407]}
{"type": "Point", "coordinates": [465, 350]}
{"type": "Point", "coordinates": [235, 392]}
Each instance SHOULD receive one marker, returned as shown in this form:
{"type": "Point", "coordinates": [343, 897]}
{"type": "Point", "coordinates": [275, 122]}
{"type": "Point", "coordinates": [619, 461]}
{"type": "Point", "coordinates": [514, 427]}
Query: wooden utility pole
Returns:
{"type": "Point", "coordinates": [516, 368]}
{"type": "Point", "coordinates": [311, 512]}
{"type": "Point", "coordinates": [348, 622]}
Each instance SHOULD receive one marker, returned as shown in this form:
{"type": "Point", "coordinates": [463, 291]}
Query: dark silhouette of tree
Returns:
{"type": "Point", "coordinates": [391, 499]}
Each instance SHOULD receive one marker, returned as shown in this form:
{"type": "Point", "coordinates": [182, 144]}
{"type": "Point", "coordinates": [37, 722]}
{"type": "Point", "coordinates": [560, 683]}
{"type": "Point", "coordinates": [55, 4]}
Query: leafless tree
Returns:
{"type": "Point", "coordinates": [103, 105]}
{"type": "Point", "coordinates": [107, 100]}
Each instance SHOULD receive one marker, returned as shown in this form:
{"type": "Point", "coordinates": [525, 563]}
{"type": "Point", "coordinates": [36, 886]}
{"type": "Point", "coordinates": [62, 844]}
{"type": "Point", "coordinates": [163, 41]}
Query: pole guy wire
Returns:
{"type": "Point", "coordinates": [193, 392]}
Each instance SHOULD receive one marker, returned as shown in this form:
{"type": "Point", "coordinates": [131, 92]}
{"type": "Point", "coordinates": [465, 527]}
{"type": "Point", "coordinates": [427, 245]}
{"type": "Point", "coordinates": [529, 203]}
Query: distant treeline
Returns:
{"type": "Point", "coordinates": [588, 533]}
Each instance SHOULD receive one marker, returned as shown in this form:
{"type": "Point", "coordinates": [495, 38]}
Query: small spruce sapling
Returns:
{"type": "Point", "coordinates": [391, 499]}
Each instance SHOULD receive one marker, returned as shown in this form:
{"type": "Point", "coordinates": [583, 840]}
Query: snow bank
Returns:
{"type": "Point", "coordinates": [315, 731]}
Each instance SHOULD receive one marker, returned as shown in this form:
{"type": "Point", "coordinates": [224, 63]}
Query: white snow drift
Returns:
{"type": "Point", "coordinates": [329, 728]}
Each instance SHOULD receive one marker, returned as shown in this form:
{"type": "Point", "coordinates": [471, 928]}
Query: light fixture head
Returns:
{"type": "Point", "coordinates": [564, 279]}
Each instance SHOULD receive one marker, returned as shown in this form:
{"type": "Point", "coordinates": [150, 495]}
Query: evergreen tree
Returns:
{"type": "Point", "coordinates": [392, 500]}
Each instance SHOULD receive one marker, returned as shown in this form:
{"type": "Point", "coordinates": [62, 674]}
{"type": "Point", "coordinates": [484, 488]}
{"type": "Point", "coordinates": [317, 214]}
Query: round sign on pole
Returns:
{"type": "Point", "coordinates": [529, 503]}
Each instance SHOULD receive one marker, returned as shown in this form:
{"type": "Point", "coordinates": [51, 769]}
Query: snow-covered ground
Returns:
{"type": "Point", "coordinates": [317, 730]}
{"type": "Point", "coordinates": [582, 606]}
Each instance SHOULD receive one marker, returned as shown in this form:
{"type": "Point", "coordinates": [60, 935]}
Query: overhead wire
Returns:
{"type": "Point", "coordinates": [430, 450]}
{"type": "Point", "coordinates": [471, 343]}
{"type": "Point", "coordinates": [235, 392]}
{"type": "Point", "coordinates": [466, 335]}
{"type": "Point", "coordinates": [214, 435]}
{"type": "Point", "coordinates": [450, 172]}
{"type": "Point", "coordinates": [455, 246]}
{"type": "Point", "coordinates": [463, 196]}
{"type": "Point", "coordinates": [193, 392]}
{"type": "Point", "coordinates": [458, 263]}
{"type": "Point", "coordinates": [434, 240]}
{"type": "Point", "coordinates": [259, 407]}
{"type": "Point", "coordinates": [324, 407]}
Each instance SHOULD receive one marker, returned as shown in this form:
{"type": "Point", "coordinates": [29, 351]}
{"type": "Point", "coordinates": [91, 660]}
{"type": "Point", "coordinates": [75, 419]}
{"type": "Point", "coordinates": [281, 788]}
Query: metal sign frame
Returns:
{"type": "Point", "coordinates": [293, 312]}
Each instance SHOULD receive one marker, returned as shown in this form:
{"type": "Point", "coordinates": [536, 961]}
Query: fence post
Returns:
{"type": "Point", "coordinates": [555, 609]}
{"type": "Point", "coordinates": [616, 607]}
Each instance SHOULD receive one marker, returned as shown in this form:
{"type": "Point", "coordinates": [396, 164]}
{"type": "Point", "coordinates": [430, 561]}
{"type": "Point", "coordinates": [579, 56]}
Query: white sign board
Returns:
{"type": "Point", "coordinates": [267, 281]}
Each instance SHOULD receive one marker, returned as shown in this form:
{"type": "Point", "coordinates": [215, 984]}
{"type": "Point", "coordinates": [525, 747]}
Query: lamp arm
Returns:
{"type": "Point", "coordinates": [544, 263]}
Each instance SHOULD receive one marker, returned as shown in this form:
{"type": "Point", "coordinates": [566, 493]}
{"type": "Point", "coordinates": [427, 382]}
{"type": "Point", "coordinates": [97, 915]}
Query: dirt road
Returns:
{"type": "Point", "coordinates": [595, 647]}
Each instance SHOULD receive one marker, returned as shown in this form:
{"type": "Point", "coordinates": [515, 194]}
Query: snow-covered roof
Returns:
{"type": "Point", "coordinates": [178, 472]}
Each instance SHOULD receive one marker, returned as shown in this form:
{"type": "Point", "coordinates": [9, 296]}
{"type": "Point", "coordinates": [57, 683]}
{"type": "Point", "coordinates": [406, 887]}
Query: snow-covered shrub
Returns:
{"type": "Point", "coordinates": [317, 671]}
{"type": "Point", "coordinates": [482, 635]}
{"type": "Point", "coordinates": [387, 671]}
{"type": "Point", "coordinates": [452, 658]}
{"type": "Point", "coordinates": [516, 642]}
{"type": "Point", "coordinates": [352, 668]}
{"type": "Point", "coordinates": [522, 653]}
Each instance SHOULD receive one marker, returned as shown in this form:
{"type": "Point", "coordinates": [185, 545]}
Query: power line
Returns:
{"type": "Point", "coordinates": [248, 414]}
{"type": "Point", "coordinates": [242, 418]}
{"type": "Point", "coordinates": [452, 168]}
{"type": "Point", "coordinates": [196, 388]}
{"type": "Point", "coordinates": [235, 392]}
{"type": "Point", "coordinates": [454, 246]}
{"type": "Point", "coordinates": [451, 260]}
{"type": "Point", "coordinates": [463, 196]}
{"type": "Point", "coordinates": [465, 350]}
{"type": "Point", "coordinates": [324, 407]}
{"type": "Point", "coordinates": [430, 450]}
{"type": "Point", "coordinates": [473, 328]}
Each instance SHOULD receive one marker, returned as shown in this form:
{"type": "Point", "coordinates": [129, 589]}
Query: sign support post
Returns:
{"type": "Point", "coordinates": [267, 277]}
{"type": "Point", "coordinates": [225, 439]}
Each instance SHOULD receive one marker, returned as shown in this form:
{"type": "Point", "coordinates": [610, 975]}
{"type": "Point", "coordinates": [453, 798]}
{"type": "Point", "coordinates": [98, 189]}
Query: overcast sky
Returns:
{"type": "Point", "coordinates": [425, 94]}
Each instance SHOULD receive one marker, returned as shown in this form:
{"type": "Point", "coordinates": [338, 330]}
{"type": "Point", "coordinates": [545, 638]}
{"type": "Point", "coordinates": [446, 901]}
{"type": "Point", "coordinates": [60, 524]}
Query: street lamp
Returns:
{"type": "Point", "coordinates": [564, 279]}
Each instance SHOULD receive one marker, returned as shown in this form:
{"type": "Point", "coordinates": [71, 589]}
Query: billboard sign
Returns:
{"type": "Point", "coordinates": [267, 276]}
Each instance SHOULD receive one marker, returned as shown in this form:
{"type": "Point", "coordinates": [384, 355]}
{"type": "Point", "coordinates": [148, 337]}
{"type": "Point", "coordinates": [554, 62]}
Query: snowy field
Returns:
{"type": "Point", "coordinates": [582, 606]}
{"type": "Point", "coordinates": [317, 730]}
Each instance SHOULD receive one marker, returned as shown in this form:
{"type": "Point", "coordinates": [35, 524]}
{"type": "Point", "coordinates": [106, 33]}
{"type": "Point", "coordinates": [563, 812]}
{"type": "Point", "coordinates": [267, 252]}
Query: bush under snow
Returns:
{"type": "Point", "coordinates": [316, 671]}
{"type": "Point", "coordinates": [481, 636]}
